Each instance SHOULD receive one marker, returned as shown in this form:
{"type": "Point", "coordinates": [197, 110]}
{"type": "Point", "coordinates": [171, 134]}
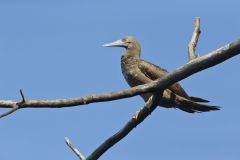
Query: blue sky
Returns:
{"type": "Point", "coordinates": [53, 49]}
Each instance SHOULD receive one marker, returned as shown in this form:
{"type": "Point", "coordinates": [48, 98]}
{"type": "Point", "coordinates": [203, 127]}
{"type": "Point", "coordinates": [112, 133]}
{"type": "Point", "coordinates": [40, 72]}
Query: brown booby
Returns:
{"type": "Point", "coordinates": [137, 71]}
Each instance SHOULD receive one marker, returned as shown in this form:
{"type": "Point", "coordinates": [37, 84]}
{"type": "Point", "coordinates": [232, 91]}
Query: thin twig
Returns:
{"type": "Point", "coordinates": [193, 43]}
{"type": "Point", "coordinates": [137, 118]}
{"type": "Point", "coordinates": [22, 95]}
{"type": "Point", "coordinates": [74, 149]}
{"type": "Point", "coordinates": [9, 112]}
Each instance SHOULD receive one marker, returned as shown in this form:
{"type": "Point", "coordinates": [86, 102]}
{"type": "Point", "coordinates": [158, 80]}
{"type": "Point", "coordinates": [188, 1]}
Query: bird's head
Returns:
{"type": "Point", "coordinates": [129, 43]}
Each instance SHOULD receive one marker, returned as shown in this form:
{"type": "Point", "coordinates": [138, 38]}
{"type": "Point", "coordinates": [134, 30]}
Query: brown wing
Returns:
{"type": "Point", "coordinates": [154, 72]}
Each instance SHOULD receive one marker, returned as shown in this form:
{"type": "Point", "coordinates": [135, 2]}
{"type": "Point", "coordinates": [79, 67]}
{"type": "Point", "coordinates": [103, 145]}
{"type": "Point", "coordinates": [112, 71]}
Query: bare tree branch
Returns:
{"type": "Point", "coordinates": [149, 106]}
{"type": "Point", "coordinates": [15, 106]}
{"type": "Point", "coordinates": [193, 43]}
{"type": "Point", "coordinates": [74, 149]}
{"type": "Point", "coordinates": [196, 65]}
{"type": "Point", "coordinates": [137, 118]}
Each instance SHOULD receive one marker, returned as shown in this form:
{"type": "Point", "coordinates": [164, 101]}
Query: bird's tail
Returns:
{"type": "Point", "coordinates": [197, 99]}
{"type": "Point", "coordinates": [192, 107]}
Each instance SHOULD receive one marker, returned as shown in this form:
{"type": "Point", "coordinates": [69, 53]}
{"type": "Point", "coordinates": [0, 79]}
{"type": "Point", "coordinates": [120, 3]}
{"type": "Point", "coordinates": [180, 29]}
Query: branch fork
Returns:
{"type": "Point", "coordinates": [15, 107]}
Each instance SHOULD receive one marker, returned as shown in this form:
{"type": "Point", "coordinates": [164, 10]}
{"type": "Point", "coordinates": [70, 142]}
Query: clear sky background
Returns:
{"type": "Point", "coordinates": [53, 49]}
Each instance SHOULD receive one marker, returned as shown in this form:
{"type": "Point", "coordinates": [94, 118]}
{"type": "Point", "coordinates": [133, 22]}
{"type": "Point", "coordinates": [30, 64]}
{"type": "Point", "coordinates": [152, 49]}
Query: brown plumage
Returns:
{"type": "Point", "coordinates": [137, 72]}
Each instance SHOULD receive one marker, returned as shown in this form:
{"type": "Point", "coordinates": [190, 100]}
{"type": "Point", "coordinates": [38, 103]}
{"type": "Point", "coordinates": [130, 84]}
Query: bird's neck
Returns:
{"type": "Point", "coordinates": [132, 53]}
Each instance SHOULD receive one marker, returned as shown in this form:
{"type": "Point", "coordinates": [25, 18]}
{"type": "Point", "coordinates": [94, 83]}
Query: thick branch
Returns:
{"type": "Point", "coordinates": [193, 43]}
{"type": "Point", "coordinates": [138, 117]}
{"type": "Point", "coordinates": [196, 65]}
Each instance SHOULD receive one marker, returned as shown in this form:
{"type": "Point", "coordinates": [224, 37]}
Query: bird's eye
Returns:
{"type": "Point", "coordinates": [124, 40]}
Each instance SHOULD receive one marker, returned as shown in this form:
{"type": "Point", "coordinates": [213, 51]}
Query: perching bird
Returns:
{"type": "Point", "coordinates": [137, 71]}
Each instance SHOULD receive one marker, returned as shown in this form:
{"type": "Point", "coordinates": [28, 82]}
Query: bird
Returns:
{"type": "Point", "coordinates": [137, 72]}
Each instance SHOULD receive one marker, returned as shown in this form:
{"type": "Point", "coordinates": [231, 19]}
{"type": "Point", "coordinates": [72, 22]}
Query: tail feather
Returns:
{"type": "Point", "coordinates": [197, 99]}
{"type": "Point", "coordinates": [192, 107]}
